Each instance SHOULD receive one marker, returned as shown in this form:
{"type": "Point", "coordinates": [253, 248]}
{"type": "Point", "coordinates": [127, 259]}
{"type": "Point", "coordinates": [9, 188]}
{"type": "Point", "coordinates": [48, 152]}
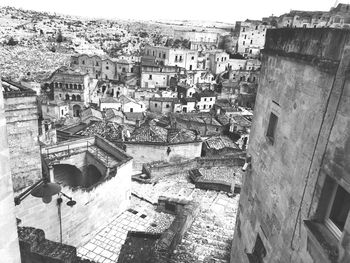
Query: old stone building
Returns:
{"type": "Point", "coordinates": [72, 86]}
{"type": "Point", "coordinates": [199, 40]}
{"type": "Point", "coordinates": [22, 132]}
{"type": "Point", "coordinates": [294, 204]}
{"type": "Point", "coordinates": [251, 37]}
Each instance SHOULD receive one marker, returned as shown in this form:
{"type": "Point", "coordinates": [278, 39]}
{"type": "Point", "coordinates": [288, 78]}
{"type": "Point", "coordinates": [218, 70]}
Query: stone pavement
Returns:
{"type": "Point", "coordinates": [210, 237]}
{"type": "Point", "coordinates": [207, 240]}
{"type": "Point", "coordinates": [105, 246]}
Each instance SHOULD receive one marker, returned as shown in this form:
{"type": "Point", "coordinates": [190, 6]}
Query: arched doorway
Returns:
{"type": "Point", "coordinates": [76, 110]}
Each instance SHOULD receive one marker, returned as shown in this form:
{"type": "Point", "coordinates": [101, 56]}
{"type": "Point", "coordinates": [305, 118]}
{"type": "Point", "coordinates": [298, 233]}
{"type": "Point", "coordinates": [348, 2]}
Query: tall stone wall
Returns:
{"type": "Point", "coordinates": [22, 131]}
{"type": "Point", "coordinates": [9, 248]}
{"type": "Point", "coordinates": [302, 78]}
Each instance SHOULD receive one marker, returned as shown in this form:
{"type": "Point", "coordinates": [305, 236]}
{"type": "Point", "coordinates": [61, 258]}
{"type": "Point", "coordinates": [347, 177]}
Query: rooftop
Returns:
{"type": "Point", "coordinates": [15, 89]}
{"type": "Point", "coordinates": [220, 142]}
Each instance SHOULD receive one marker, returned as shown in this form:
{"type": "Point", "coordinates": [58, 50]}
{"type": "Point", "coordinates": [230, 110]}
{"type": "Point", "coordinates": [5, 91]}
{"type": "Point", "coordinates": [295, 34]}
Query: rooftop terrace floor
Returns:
{"type": "Point", "coordinates": [207, 240]}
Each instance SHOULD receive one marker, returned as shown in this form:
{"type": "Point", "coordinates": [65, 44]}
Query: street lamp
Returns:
{"type": "Point", "coordinates": [42, 189]}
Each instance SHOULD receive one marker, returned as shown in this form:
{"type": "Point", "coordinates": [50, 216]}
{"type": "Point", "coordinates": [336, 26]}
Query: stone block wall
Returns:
{"type": "Point", "coordinates": [22, 131]}
{"type": "Point", "coordinates": [158, 169]}
{"type": "Point", "coordinates": [9, 248]}
{"type": "Point", "coordinates": [145, 153]}
{"type": "Point", "coordinates": [303, 77]}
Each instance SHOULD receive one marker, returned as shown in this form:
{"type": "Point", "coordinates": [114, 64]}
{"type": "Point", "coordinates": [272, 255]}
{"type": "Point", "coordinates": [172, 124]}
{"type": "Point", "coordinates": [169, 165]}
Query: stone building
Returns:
{"type": "Point", "coordinates": [179, 57]}
{"type": "Point", "coordinates": [199, 40]}
{"type": "Point", "coordinates": [9, 247]}
{"type": "Point", "coordinates": [162, 105]}
{"type": "Point", "coordinates": [22, 131]}
{"type": "Point", "coordinates": [155, 76]}
{"type": "Point", "coordinates": [336, 17]}
{"type": "Point", "coordinates": [71, 86]}
{"type": "Point", "coordinates": [294, 204]}
{"type": "Point", "coordinates": [251, 37]}
{"type": "Point", "coordinates": [218, 60]}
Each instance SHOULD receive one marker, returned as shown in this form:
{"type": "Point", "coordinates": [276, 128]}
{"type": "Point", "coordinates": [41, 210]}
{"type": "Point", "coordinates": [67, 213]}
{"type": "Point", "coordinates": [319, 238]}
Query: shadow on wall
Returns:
{"type": "Point", "coordinates": [70, 175]}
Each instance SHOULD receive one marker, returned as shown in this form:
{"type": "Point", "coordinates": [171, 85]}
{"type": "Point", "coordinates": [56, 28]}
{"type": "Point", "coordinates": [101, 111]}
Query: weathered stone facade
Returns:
{"type": "Point", "coordinates": [285, 193]}
{"type": "Point", "coordinates": [22, 131]}
{"type": "Point", "coordinates": [9, 248]}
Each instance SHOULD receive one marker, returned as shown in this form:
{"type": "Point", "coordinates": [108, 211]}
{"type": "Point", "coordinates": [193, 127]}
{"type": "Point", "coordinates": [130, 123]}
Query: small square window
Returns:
{"type": "Point", "coordinates": [271, 129]}
{"type": "Point", "coordinates": [338, 210]}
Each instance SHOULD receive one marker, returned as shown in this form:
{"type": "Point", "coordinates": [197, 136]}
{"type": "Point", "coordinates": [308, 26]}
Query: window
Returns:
{"type": "Point", "coordinates": [192, 57]}
{"type": "Point", "coordinates": [251, 41]}
{"type": "Point", "coordinates": [243, 43]}
{"type": "Point", "coordinates": [245, 36]}
{"type": "Point", "coordinates": [180, 58]}
{"type": "Point", "coordinates": [96, 63]}
{"type": "Point", "coordinates": [155, 105]}
{"type": "Point", "coordinates": [211, 99]}
{"type": "Point", "coordinates": [175, 58]}
{"type": "Point", "coordinates": [83, 62]}
{"type": "Point", "coordinates": [243, 29]}
{"type": "Point", "coordinates": [164, 56]}
{"type": "Point", "coordinates": [107, 67]}
{"type": "Point", "coordinates": [271, 129]}
{"type": "Point", "coordinates": [150, 77]}
{"type": "Point", "coordinates": [131, 110]}
{"type": "Point", "coordinates": [167, 106]}
{"type": "Point", "coordinates": [338, 210]}
{"type": "Point", "coordinates": [258, 253]}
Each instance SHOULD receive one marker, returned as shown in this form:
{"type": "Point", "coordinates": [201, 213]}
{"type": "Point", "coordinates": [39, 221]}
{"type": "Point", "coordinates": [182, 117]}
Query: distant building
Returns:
{"type": "Point", "coordinates": [162, 105]}
{"type": "Point", "coordinates": [155, 76]}
{"type": "Point", "coordinates": [110, 103]}
{"type": "Point", "coordinates": [179, 57]}
{"type": "Point", "coordinates": [218, 60]}
{"type": "Point", "coordinates": [251, 37]}
{"type": "Point", "coordinates": [205, 100]}
{"type": "Point", "coordinates": [199, 40]}
{"type": "Point", "coordinates": [70, 86]}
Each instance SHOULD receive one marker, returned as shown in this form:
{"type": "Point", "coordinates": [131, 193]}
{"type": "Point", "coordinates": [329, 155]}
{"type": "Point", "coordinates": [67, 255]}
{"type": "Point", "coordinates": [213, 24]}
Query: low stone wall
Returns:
{"type": "Point", "coordinates": [35, 248]}
{"type": "Point", "coordinates": [157, 169]}
{"type": "Point", "coordinates": [174, 234]}
{"type": "Point", "coordinates": [216, 185]}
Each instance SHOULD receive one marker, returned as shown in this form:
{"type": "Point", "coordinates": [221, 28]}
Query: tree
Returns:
{"type": "Point", "coordinates": [12, 42]}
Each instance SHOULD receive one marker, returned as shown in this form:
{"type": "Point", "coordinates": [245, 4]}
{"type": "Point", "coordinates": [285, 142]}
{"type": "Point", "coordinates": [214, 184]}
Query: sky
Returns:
{"type": "Point", "coordinates": [219, 10]}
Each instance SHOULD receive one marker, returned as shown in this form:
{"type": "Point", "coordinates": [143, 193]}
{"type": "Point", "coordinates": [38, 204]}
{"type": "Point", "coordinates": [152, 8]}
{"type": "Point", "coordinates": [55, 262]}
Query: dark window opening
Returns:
{"type": "Point", "coordinates": [259, 252]}
{"type": "Point", "coordinates": [271, 129]}
{"type": "Point", "coordinates": [340, 208]}
{"type": "Point", "coordinates": [170, 207]}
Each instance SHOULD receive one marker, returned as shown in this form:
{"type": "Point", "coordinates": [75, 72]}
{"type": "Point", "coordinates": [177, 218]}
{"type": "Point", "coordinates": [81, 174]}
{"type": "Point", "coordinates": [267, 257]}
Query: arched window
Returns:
{"type": "Point", "coordinates": [56, 85]}
{"type": "Point", "coordinates": [71, 86]}
{"type": "Point", "coordinates": [67, 97]}
{"type": "Point", "coordinates": [60, 85]}
{"type": "Point", "coordinates": [73, 97]}
{"type": "Point", "coordinates": [66, 86]}
{"type": "Point", "coordinates": [79, 86]}
{"type": "Point", "coordinates": [78, 98]}
{"type": "Point", "coordinates": [75, 86]}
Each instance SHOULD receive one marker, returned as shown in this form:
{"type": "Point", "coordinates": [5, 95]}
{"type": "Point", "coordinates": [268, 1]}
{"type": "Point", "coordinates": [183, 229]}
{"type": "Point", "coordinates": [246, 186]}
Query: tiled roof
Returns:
{"type": "Point", "coordinates": [218, 143]}
{"type": "Point", "coordinates": [152, 133]}
{"type": "Point", "coordinates": [108, 100]}
{"type": "Point", "coordinates": [108, 130]}
{"type": "Point", "coordinates": [110, 113]}
{"type": "Point", "coordinates": [90, 112]}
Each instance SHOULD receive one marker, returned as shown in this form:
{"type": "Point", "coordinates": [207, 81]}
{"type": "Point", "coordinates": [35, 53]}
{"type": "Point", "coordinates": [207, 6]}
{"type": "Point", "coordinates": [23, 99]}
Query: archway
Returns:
{"type": "Point", "coordinates": [68, 175]}
{"type": "Point", "coordinates": [93, 175]}
{"type": "Point", "coordinates": [76, 110]}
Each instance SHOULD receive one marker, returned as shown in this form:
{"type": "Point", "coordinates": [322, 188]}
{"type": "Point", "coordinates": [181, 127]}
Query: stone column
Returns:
{"type": "Point", "coordinates": [9, 246]}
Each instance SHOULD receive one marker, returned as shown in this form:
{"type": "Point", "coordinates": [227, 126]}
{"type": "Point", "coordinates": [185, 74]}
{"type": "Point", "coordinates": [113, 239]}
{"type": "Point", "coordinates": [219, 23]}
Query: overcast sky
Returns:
{"type": "Point", "coordinates": [217, 10]}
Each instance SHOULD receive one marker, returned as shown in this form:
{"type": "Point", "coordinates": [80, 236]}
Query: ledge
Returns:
{"type": "Point", "coordinates": [321, 244]}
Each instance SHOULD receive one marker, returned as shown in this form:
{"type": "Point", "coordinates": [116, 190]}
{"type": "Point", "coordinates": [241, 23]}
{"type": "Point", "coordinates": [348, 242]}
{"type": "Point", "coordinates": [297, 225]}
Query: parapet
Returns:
{"type": "Point", "coordinates": [321, 46]}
